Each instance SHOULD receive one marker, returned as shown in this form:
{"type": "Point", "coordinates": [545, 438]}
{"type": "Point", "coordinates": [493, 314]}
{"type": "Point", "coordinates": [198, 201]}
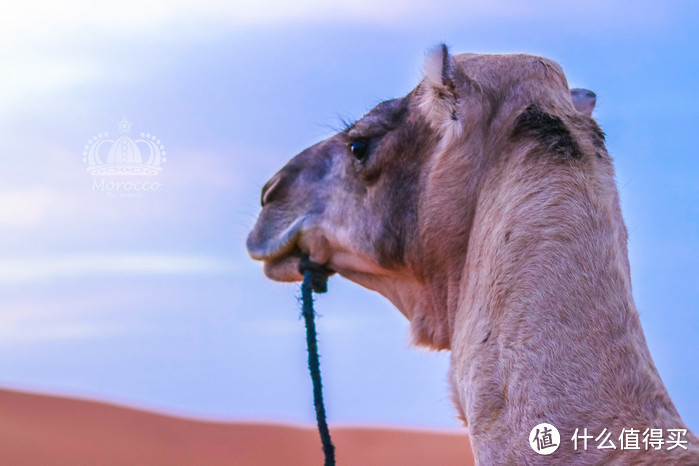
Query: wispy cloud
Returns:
{"type": "Point", "coordinates": [16, 330]}
{"type": "Point", "coordinates": [24, 270]}
{"type": "Point", "coordinates": [38, 75]}
{"type": "Point", "coordinates": [131, 16]}
{"type": "Point", "coordinates": [38, 319]}
{"type": "Point", "coordinates": [32, 206]}
{"type": "Point", "coordinates": [36, 47]}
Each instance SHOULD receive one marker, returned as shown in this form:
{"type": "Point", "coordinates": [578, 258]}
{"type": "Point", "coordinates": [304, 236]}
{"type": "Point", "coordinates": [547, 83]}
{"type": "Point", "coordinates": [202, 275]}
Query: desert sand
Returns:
{"type": "Point", "coordinates": [52, 430]}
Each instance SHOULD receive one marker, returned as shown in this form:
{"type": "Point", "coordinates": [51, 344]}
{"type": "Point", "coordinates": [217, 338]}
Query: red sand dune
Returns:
{"type": "Point", "coordinates": [50, 430]}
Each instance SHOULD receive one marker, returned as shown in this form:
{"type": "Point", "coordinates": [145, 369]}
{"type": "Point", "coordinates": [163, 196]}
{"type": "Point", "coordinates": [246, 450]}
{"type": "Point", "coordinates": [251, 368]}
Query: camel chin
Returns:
{"type": "Point", "coordinates": [284, 269]}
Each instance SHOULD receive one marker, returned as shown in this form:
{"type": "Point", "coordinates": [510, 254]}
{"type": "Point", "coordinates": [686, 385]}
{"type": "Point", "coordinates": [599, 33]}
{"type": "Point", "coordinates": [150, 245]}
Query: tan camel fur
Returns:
{"type": "Point", "coordinates": [483, 206]}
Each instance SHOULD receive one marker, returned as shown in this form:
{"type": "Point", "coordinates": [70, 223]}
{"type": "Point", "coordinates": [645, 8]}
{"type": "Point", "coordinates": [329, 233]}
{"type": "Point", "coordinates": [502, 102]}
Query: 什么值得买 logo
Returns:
{"type": "Point", "coordinates": [544, 438]}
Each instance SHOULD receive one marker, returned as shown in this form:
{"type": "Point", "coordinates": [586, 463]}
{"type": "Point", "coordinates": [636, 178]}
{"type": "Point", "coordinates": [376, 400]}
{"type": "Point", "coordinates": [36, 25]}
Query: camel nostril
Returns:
{"type": "Point", "coordinates": [269, 189]}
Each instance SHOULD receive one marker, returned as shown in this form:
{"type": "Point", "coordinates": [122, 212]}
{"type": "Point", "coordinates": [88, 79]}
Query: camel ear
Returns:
{"type": "Point", "coordinates": [584, 100]}
{"type": "Point", "coordinates": [439, 68]}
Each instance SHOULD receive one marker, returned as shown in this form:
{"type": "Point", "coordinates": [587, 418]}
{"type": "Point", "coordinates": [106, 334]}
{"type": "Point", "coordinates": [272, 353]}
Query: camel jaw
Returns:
{"type": "Point", "coordinates": [281, 253]}
{"type": "Point", "coordinates": [284, 268]}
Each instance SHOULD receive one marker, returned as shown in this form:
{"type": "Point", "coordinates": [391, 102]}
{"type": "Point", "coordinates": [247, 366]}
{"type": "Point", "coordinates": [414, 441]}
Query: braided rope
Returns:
{"type": "Point", "coordinates": [315, 278]}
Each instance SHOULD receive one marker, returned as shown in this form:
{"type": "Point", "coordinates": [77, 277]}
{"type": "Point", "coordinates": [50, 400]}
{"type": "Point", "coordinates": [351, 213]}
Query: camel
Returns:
{"type": "Point", "coordinates": [483, 205]}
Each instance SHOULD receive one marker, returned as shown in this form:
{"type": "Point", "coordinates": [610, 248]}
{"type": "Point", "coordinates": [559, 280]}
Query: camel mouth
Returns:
{"type": "Point", "coordinates": [280, 253]}
{"type": "Point", "coordinates": [267, 246]}
{"type": "Point", "coordinates": [281, 257]}
{"type": "Point", "coordinates": [284, 268]}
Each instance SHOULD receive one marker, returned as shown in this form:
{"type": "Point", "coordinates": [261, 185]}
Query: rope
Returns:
{"type": "Point", "coordinates": [315, 278]}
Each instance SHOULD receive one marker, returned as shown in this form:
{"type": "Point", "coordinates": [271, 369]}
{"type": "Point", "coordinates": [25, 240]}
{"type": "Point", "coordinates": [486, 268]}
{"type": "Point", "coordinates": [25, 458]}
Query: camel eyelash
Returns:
{"type": "Point", "coordinates": [347, 123]}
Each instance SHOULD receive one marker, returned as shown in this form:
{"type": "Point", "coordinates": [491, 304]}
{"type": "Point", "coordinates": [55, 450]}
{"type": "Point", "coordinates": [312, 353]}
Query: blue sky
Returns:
{"type": "Point", "coordinates": [153, 301]}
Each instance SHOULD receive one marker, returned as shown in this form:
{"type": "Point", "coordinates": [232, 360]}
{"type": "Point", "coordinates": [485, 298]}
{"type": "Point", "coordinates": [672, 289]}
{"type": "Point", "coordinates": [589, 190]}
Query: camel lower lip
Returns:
{"type": "Point", "coordinates": [284, 268]}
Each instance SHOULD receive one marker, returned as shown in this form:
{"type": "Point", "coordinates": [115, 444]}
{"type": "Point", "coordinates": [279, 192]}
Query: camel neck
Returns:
{"type": "Point", "coordinates": [547, 329]}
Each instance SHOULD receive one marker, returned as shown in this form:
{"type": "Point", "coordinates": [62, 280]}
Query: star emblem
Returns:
{"type": "Point", "coordinates": [125, 126]}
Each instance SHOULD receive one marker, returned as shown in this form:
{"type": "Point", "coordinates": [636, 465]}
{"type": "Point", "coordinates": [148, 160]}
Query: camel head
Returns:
{"type": "Point", "coordinates": [389, 201]}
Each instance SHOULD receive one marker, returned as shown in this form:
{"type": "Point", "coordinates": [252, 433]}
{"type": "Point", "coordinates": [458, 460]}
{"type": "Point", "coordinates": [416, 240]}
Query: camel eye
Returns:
{"type": "Point", "coordinates": [359, 150]}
